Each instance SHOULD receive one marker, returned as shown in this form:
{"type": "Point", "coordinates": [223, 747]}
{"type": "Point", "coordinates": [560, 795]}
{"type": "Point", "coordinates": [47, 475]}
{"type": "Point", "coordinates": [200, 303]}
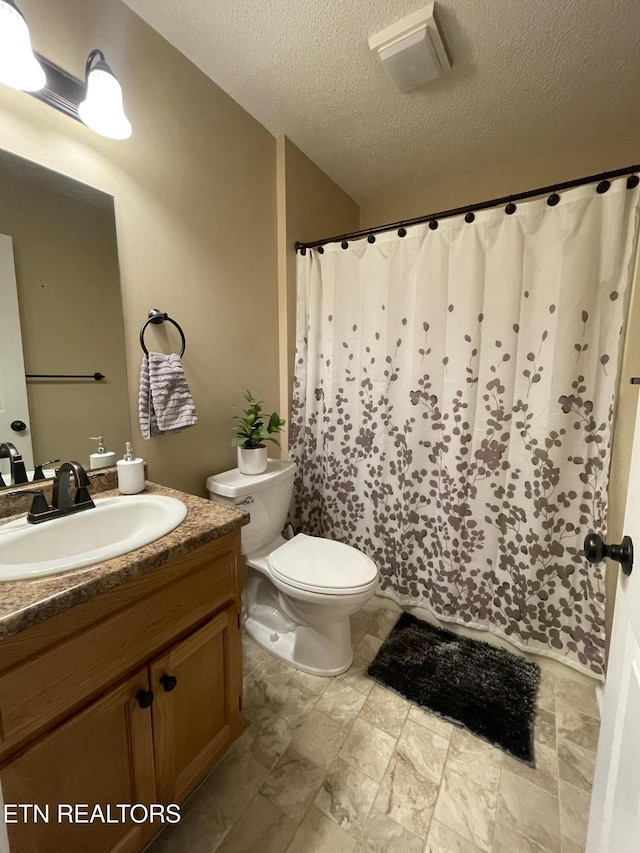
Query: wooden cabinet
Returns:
{"type": "Point", "coordinates": [134, 706]}
{"type": "Point", "coordinates": [193, 706]}
{"type": "Point", "coordinates": [102, 755]}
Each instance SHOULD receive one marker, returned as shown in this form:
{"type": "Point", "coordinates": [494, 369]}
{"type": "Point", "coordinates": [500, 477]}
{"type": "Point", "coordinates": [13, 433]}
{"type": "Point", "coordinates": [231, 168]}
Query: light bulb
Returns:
{"type": "Point", "coordinates": [102, 109]}
{"type": "Point", "coordinates": [18, 66]}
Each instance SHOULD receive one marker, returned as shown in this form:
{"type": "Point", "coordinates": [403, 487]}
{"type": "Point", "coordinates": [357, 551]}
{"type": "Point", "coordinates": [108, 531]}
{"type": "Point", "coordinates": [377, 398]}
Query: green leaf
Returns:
{"type": "Point", "coordinates": [238, 441]}
{"type": "Point", "coordinates": [248, 396]}
{"type": "Point", "coordinates": [274, 422]}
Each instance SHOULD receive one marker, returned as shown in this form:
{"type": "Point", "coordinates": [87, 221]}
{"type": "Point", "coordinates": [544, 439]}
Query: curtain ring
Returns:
{"type": "Point", "coordinates": [603, 186]}
{"type": "Point", "coordinates": [402, 231]}
{"type": "Point", "coordinates": [344, 244]}
{"type": "Point", "coordinates": [510, 208]}
{"type": "Point", "coordinates": [433, 224]}
{"type": "Point", "coordinates": [371, 238]}
{"type": "Point", "coordinates": [632, 182]}
{"type": "Point", "coordinates": [553, 199]}
{"type": "Point", "coordinates": [320, 250]}
{"type": "Point", "coordinates": [469, 217]}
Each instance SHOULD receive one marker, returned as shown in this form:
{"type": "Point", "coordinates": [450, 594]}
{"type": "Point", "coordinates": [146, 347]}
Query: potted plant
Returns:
{"type": "Point", "coordinates": [251, 433]}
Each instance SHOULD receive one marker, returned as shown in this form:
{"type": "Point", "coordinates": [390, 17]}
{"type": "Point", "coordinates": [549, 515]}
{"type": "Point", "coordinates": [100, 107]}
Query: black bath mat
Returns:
{"type": "Point", "coordinates": [489, 691]}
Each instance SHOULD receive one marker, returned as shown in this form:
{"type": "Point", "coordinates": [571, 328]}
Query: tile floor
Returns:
{"type": "Point", "coordinates": [341, 765]}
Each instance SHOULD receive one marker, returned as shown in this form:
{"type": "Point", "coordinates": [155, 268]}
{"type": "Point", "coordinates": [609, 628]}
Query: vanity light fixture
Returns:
{"type": "Point", "coordinates": [97, 102]}
{"type": "Point", "coordinates": [19, 68]}
{"type": "Point", "coordinates": [102, 109]}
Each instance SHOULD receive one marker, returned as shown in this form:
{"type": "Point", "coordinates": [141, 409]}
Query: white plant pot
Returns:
{"type": "Point", "coordinates": [252, 460]}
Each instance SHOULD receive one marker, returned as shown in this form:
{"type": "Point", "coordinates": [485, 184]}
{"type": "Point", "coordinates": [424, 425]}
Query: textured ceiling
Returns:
{"type": "Point", "coordinates": [527, 76]}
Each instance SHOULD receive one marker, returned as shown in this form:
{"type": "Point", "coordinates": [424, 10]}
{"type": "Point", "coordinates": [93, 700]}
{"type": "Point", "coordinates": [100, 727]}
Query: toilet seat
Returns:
{"type": "Point", "coordinates": [314, 564]}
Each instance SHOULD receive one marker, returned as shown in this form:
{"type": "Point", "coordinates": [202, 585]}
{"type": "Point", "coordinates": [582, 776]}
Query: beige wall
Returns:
{"type": "Point", "coordinates": [66, 260]}
{"type": "Point", "coordinates": [517, 175]}
{"type": "Point", "coordinates": [195, 202]}
{"type": "Point", "coordinates": [520, 175]}
{"type": "Point", "coordinates": [310, 206]}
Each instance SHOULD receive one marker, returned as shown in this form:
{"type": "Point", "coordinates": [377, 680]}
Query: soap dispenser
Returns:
{"type": "Point", "coordinates": [130, 472]}
{"type": "Point", "coordinates": [101, 458]}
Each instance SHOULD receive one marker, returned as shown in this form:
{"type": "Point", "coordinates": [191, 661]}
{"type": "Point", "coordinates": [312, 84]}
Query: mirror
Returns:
{"type": "Point", "coordinates": [65, 257]}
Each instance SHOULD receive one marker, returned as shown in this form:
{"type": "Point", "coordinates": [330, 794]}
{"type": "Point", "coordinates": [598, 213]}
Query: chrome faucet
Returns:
{"type": "Point", "coordinates": [66, 499]}
{"type": "Point", "coordinates": [18, 471]}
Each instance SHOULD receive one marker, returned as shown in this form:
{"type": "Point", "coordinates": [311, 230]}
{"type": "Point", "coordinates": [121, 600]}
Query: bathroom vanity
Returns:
{"type": "Point", "coordinates": [121, 683]}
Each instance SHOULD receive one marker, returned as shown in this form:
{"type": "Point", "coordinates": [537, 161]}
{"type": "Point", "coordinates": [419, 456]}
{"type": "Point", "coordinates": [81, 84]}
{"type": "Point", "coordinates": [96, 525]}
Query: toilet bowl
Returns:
{"type": "Point", "coordinates": [298, 593]}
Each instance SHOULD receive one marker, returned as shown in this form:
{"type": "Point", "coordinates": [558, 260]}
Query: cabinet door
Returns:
{"type": "Point", "coordinates": [103, 755]}
{"type": "Point", "coordinates": [195, 706]}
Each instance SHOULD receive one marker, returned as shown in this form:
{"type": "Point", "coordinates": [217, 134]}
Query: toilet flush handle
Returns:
{"type": "Point", "coordinates": [246, 502]}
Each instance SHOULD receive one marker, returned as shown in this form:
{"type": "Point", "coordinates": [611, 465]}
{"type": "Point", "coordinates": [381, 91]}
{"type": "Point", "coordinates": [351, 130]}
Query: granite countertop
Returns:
{"type": "Point", "coordinates": [28, 602]}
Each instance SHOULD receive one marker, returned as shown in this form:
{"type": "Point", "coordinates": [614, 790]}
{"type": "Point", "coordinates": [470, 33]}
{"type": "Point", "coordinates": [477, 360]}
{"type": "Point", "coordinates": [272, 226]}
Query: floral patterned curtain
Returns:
{"type": "Point", "coordinates": [453, 410]}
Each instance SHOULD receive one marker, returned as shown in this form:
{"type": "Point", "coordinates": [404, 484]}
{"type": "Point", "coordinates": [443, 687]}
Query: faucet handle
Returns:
{"type": "Point", "coordinates": [38, 473]}
{"type": "Point", "coordinates": [82, 494]}
{"type": "Point", "coordinates": [83, 481]}
{"type": "Point", "coordinates": [39, 505]}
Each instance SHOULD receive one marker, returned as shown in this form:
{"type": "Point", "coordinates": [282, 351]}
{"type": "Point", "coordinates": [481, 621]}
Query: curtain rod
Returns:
{"type": "Point", "coordinates": [432, 218]}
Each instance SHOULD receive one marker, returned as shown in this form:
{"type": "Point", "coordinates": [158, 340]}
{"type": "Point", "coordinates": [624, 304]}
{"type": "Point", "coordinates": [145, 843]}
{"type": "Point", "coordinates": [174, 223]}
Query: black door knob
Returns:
{"type": "Point", "coordinates": [596, 549]}
{"type": "Point", "coordinates": [18, 426]}
{"type": "Point", "coordinates": [168, 683]}
{"type": "Point", "coordinates": [145, 698]}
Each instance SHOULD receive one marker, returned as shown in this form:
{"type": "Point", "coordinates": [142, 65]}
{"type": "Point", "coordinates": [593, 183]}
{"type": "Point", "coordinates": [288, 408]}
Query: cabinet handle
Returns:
{"type": "Point", "coordinates": [145, 698]}
{"type": "Point", "coordinates": [168, 682]}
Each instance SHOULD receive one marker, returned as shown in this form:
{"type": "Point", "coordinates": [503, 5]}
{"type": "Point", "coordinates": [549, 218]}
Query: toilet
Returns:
{"type": "Point", "coordinates": [298, 593]}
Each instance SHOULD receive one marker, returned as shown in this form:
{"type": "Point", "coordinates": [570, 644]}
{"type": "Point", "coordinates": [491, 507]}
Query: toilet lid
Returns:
{"type": "Point", "coordinates": [316, 564]}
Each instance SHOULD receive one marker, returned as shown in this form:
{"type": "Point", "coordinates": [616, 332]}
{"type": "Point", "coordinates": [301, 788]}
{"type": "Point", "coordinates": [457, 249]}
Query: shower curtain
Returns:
{"type": "Point", "coordinates": [453, 408]}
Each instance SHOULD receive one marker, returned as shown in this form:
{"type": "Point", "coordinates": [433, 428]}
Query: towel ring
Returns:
{"type": "Point", "coordinates": [156, 316]}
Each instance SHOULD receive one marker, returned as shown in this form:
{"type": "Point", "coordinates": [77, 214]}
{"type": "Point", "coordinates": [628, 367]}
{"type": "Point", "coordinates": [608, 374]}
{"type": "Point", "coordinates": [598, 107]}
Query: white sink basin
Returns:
{"type": "Point", "coordinates": [116, 526]}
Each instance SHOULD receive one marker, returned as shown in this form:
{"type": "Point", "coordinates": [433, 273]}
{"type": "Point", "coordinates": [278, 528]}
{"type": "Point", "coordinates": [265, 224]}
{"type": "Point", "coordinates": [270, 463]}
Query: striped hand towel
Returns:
{"type": "Point", "coordinates": [165, 404]}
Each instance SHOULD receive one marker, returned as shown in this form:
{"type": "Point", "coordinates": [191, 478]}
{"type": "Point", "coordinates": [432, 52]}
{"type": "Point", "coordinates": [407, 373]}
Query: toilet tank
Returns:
{"type": "Point", "coordinates": [270, 493]}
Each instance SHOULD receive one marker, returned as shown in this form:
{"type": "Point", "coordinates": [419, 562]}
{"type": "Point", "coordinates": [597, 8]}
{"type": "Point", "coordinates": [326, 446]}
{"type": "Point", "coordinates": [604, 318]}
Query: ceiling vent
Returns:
{"type": "Point", "coordinates": [411, 51]}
